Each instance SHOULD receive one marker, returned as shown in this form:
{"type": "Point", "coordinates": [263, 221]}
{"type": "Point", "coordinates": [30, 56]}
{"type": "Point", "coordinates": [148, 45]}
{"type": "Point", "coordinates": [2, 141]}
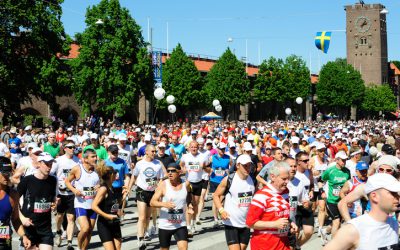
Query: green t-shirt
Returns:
{"type": "Point", "coordinates": [52, 149]}
{"type": "Point", "coordinates": [100, 151]}
{"type": "Point", "coordinates": [335, 179]}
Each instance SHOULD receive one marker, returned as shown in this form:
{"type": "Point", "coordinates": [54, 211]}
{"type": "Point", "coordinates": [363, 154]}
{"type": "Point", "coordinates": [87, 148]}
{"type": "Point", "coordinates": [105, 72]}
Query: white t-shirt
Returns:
{"type": "Point", "coordinates": [148, 174]}
{"type": "Point", "coordinates": [26, 163]}
{"type": "Point", "coordinates": [125, 153]}
{"type": "Point", "coordinates": [61, 168]}
{"type": "Point", "coordinates": [351, 165]}
{"type": "Point", "coordinates": [206, 157]}
{"type": "Point", "coordinates": [3, 149]}
{"type": "Point", "coordinates": [194, 166]}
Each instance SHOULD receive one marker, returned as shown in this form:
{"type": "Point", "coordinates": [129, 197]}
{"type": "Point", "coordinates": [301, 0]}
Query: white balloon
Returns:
{"type": "Point", "coordinates": [215, 103]}
{"type": "Point", "coordinates": [299, 100]}
{"type": "Point", "coordinates": [172, 108]}
{"type": "Point", "coordinates": [218, 108]}
{"type": "Point", "coordinates": [170, 99]}
{"type": "Point", "coordinates": [159, 93]}
{"type": "Point", "coordinates": [288, 111]}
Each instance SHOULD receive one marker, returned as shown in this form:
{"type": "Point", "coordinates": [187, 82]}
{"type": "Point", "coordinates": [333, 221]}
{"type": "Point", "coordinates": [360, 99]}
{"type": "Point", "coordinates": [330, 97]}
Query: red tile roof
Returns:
{"type": "Point", "coordinates": [396, 70]}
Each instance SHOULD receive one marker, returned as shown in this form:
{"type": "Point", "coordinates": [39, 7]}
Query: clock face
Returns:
{"type": "Point", "coordinates": [363, 24]}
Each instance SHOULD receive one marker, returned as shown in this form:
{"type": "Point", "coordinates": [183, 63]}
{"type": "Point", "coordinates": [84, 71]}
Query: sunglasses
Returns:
{"type": "Point", "coordinates": [70, 147]}
{"type": "Point", "coordinates": [171, 171]}
{"type": "Point", "coordinates": [305, 161]}
{"type": "Point", "coordinates": [382, 170]}
{"type": "Point", "coordinates": [5, 173]}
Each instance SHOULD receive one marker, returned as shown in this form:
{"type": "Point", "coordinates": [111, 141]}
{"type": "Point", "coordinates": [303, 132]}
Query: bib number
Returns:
{"type": "Point", "coordinates": [245, 199]}
{"type": "Point", "coordinates": [336, 191]}
{"type": "Point", "coordinates": [4, 232]}
{"type": "Point", "coordinates": [219, 172]}
{"type": "Point", "coordinates": [88, 193]}
{"type": "Point", "coordinates": [152, 183]}
{"type": "Point", "coordinates": [175, 216]}
{"type": "Point", "coordinates": [41, 207]}
{"type": "Point", "coordinates": [194, 168]}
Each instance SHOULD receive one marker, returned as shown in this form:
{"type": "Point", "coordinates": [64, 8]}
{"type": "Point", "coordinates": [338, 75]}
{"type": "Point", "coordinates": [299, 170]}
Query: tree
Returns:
{"type": "Point", "coordinates": [227, 81]}
{"type": "Point", "coordinates": [378, 98]}
{"type": "Point", "coordinates": [182, 80]}
{"type": "Point", "coordinates": [31, 37]}
{"type": "Point", "coordinates": [340, 85]}
{"type": "Point", "coordinates": [113, 68]}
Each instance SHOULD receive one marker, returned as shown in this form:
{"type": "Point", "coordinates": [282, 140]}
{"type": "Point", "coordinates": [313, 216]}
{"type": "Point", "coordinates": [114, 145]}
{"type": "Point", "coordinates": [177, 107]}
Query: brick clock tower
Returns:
{"type": "Point", "coordinates": [366, 40]}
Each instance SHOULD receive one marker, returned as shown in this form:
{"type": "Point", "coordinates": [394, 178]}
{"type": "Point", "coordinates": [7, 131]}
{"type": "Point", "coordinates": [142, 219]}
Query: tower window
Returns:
{"type": "Point", "coordinates": [363, 40]}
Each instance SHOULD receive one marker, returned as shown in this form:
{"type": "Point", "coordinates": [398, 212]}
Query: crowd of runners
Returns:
{"type": "Point", "coordinates": [272, 183]}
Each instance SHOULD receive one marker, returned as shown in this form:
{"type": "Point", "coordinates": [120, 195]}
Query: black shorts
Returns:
{"type": "Point", "coordinates": [213, 187]}
{"type": "Point", "coordinates": [237, 235]}
{"type": "Point", "coordinates": [5, 244]}
{"type": "Point", "coordinates": [318, 195]}
{"type": "Point", "coordinates": [304, 217]}
{"type": "Point", "coordinates": [197, 187]}
{"type": "Point", "coordinates": [42, 236]}
{"type": "Point", "coordinates": [205, 184]}
{"type": "Point", "coordinates": [165, 236]}
{"type": "Point", "coordinates": [108, 230]}
{"type": "Point", "coordinates": [333, 211]}
{"type": "Point", "coordinates": [66, 204]}
{"type": "Point", "coordinates": [144, 196]}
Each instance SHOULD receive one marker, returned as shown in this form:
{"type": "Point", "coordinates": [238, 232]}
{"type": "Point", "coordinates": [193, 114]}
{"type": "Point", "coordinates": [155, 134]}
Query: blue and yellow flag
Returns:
{"type": "Point", "coordinates": [322, 40]}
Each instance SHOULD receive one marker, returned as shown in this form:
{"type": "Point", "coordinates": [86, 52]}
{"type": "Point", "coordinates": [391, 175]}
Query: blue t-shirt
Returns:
{"type": "Point", "coordinates": [14, 145]}
{"type": "Point", "coordinates": [179, 149]}
{"type": "Point", "coordinates": [142, 151]}
{"type": "Point", "coordinates": [219, 166]}
{"type": "Point", "coordinates": [122, 168]}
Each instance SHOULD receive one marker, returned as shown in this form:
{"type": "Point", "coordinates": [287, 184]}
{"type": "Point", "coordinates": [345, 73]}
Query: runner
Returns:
{"type": "Point", "coordinates": [86, 182]}
{"type": "Point", "coordinates": [238, 189]}
{"type": "Point", "coordinates": [100, 150]}
{"type": "Point", "coordinates": [61, 169]}
{"type": "Point", "coordinates": [377, 229]}
{"type": "Point", "coordinates": [193, 165]}
{"type": "Point", "coordinates": [335, 178]}
{"type": "Point", "coordinates": [9, 211]}
{"type": "Point", "coordinates": [15, 145]}
{"type": "Point", "coordinates": [51, 146]}
{"type": "Point", "coordinates": [268, 214]}
{"type": "Point", "coordinates": [39, 196]}
{"type": "Point", "coordinates": [174, 198]}
{"type": "Point", "coordinates": [146, 176]}
{"type": "Point", "coordinates": [107, 205]}
{"type": "Point", "coordinates": [26, 165]}
{"type": "Point", "coordinates": [206, 176]}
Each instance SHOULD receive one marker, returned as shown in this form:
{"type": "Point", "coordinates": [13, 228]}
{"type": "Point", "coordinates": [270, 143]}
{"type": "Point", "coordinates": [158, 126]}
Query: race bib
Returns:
{"type": "Point", "coordinates": [219, 172]}
{"type": "Point", "coordinates": [41, 206]}
{"type": "Point", "coordinates": [391, 247]}
{"type": "Point", "coordinates": [194, 168]}
{"type": "Point", "coordinates": [293, 202]}
{"type": "Point", "coordinates": [175, 216]}
{"type": "Point", "coordinates": [336, 191]}
{"type": "Point", "coordinates": [152, 183]}
{"type": "Point", "coordinates": [245, 199]}
{"type": "Point", "coordinates": [88, 193]}
{"type": "Point", "coordinates": [4, 232]}
{"type": "Point", "coordinates": [285, 230]}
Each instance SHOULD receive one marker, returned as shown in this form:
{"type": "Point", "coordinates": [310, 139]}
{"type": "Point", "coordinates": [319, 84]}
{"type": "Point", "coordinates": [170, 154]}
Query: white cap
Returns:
{"type": "Point", "coordinates": [209, 141]}
{"type": "Point", "coordinates": [355, 153]}
{"type": "Point", "coordinates": [250, 137]}
{"type": "Point", "coordinates": [389, 160]}
{"type": "Point", "coordinates": [32, 145]}
{"type": "Point", "coordinates": [281, 133]}
{"type": "Point", "coordinates": [382, 180]}
{"type": "Point", "coordinates": [231, 144]}
{"type": "Point", "coordinates": [29, 127]}
{"type": "Point", "coordinates": [137, 129]}
{"type": "Point", "coordinates": [36, 149]}
{"type": "Point", "coordinates": [200, 140]}
{"type": "Point", "coordinates": [342, 155]}
{"type": "Point", "coordinates": [319, 146]}
{"type": "Point", "coordinates": [85, 137]}
{"type": "Point", "coordinates": [122, 137]}
{"type": "Point", "coordinates": [13, 130]}
{"type": "Point", "coordinates": [111, 135]}
{"type": "Point", "coordinates": [45, 157]}
{"type": "Point", "coordinates": [161, 145]}
{"type": "Point", "coordinates": [221, 145]}
{"type": "Point", "coordinates": [94, 136]}
{"type": "Point", "coordinates": [106, 130]}
{"type": "Point", "coordinates": [247, 146]}
{"type": "Point", "coordinates": [243, 159]}
{"type": "Point", "coordinates": [69, 129]}
{"type": "Point", "coordinates": [295, 140]}
{"type": "Point", "coordinates": [147, 137]}
{"type": "Point", "coordinates": [225, 131]}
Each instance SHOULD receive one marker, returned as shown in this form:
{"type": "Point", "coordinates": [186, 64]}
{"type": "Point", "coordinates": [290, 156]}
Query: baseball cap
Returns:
{"type": "Point", "coordinates": [247, 146]}
{"type": "Point", "coordinates": [35, 150]}
{"type": "Point", "coordinates": [13, 130]}
{"type": "Point", "coordinates": [32, 145]}
{"type": "Point", "coordinates": [46, 157]}
{"type": "Point", "coordinates": [243, 159]}
{"type": "Point", "coordinates": [250, 137]}
{"type": "Point", "coordinates": [342, 155]}
{"type": "Point", "coordinates": [122, 137]}
{"type": "Point", "coordinates": [320, 145]}
{"type": "Point", "coordinates": [231, 144]}
{"type": "Point", "coordinates": [161, 145]}
{"type": "Point", "coordinates": [221, 145]}
{"type": "Point", "coordinates": [225, 131]}
{"type": "Point", "coordinates": [355, 153]}
{"type": "Point", "coordinates": [381, 180]}
{"type": "Point", "coordinates": [147, 137]}
{"type": "Point", "coordinates": [174, 165]}
{"type": "Point", "coordinates": [200, 140]}
{"type": "Point", "coordinates": [94, 136]}
{"type": "Point", "coordinates": [29, 127]}
{"type": "Point", "coordinates": [388, 149]}
{"type": "Point", "coordinates": [388, 160]}
{"type": "Point", "coordinates": [209, 141]}
{"type": "Point", "coordinates": [69, 129]}
{"type": "Point", "coordinates": [295, 140]}
{"type": "Point", "coordinates": [112, 148]}
{"type": "Point", "coordinates": [193, 132]}
{"type": "Point", "coordinates": [361, 166]}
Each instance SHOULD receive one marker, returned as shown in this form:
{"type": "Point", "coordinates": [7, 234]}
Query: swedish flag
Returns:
{"type": "Point", "coordinates": [322, 40]}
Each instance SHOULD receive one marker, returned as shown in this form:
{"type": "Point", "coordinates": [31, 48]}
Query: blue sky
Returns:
{"type": "Point", "coordinates": [275, 28]}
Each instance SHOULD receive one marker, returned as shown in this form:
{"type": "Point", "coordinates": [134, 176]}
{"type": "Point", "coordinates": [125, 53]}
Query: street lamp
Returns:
{"type": "Point", "coordinates": [230, 39]}
{"type": "Point", "coordinates": [99, 22]}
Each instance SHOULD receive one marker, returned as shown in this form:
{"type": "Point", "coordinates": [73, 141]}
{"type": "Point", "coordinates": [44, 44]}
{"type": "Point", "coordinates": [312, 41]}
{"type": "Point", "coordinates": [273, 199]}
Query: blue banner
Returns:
{"type": "Point", "coordinates": [157, 66]}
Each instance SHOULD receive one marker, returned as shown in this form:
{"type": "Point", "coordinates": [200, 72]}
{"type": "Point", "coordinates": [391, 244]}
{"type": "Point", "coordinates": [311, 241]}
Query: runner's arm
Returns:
{"type": "Point", "coordinates": [346, 238]}
{"type": "Point", "coordinates": [73, 175]}
{"type": "Point", "coordinates": [158, 194]}
{"type": "Point", "coordinates": [356, 194]}
{"type": "Point", "coordinates": [217, 198]}
{"type": "Point", "coordinates": [344, 190]}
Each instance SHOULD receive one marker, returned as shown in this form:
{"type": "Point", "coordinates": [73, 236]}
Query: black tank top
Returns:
{"type": "Point", "coordinates": [110, 203]}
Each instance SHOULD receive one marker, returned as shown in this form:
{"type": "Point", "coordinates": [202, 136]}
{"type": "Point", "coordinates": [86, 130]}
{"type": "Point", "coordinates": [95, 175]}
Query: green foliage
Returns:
{"type": "Point", "coordinates": [227, 81]}
{"type": "Point", "coordinates": [28, 120]}
{"type": "Point", "coordinates": [282, 80]}
{"type": "Point", "coordinates": [31, 36]}
{"type": "Point", "coordinates": [340, 85]}
{"type": "Point", "coordinates": [113, 68]}
{"type": "Point", "coordinates": [379, 98]}
{"type": "Point", "coordinates": [182, 80]}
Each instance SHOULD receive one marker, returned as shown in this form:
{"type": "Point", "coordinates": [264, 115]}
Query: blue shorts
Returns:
{"type": "Point", "coordinates": [79, 211]}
